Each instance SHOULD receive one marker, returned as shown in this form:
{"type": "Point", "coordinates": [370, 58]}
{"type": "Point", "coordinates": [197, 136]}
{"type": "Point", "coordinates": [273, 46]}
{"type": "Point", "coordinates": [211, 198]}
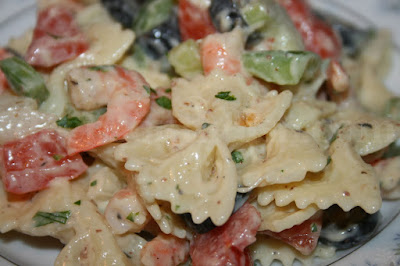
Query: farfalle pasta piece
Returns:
{"type": "Point", "coordinates": [107, 184]}
{"type": "Point", "coordinates": [290, 155]}
{"type": "Point", "coordinates": [93, 243]}
{"type": "Point", "coordinates": [304, 113]}
{"type": "Point", "coordinates": [266, 250]}
{"type": "Point", "coordinates": [59, 197]}
{"type": "Point", "coordinates": [277, 219]}
{"type": "Point", "coordinates": [193, 171]}
{"type": "Point", "coordinates": [152, 145]}
{"type": "Point", "coordinates": [346, 181]}
{"type": "Point", "coordinates": [241, 112]}
{"type": "Point", "coordinates": [369, 136]}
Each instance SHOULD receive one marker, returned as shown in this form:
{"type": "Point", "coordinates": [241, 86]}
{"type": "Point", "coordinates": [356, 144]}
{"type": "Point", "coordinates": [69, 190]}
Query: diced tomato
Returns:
{"type": "Point", "coordinates": [56, 38]}
{"type": "Point", "coordinates": [165, 250]}
{"type": "Point", "coordinates": [318, 36]}
{"type": "Point", "coordinates": [3, 80]}
{"type": "Point", "coordinates": [29, 164]}
{"type": "Point", "coordinates": [303, 237]}
{"type": "Point", "coordinates": [194, 22]}
{"type": "Point", "coordinates": [225, 245]}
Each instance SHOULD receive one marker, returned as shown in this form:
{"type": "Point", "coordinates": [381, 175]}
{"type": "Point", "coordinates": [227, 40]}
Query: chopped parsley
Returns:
{"type": "Point", "coordinates": [104, 68]}
{"type": "Point", "coordinates": [237, 157]}
{"type": "Point", "coordinates": [164, 102]}
{"type": "Point", "coordinates": [328, 161]}
{"type": "Point", "coordinates": [78, 202]}
{"type": "Point", "coordinates": [168, 90]}
{"type": "Point", "coordinates": [93, 183]}
{"type": "Point", "coordinates": [225, 95]}
{"type": "Point", "coordinates": [149, 90]}
{"type": "Point", "coordinates": [57, 157]}
{"type": "Point", "coordinates": [69, 122]}
{"type": "Point", "coordinates": [205, 125]}
{"type": "Point", "coordinates": [131, 217]}
{"type": "Point", "coordinates": [282, 170]}
{"type": "Point", "coordinates": [334, 137]}
{"type": "Point", "coordinates": [177, 207]}
{"type": "Point", "coordinates": [314, 228]}
{"type": "Point", "coordinates": [44, 218]}
{"type": "Point", "coordinates": [179, 190]}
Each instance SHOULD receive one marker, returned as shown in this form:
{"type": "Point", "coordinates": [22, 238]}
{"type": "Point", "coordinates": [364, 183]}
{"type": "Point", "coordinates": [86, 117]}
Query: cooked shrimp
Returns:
{"type": "Point", "coordinates": [125, 212]}
{"type": "Point", "coordinates": [222, 51]}
{"type": "Point", "coordinates": [165, 250]}
{"type": "Point", "coordinates": [121, 90]}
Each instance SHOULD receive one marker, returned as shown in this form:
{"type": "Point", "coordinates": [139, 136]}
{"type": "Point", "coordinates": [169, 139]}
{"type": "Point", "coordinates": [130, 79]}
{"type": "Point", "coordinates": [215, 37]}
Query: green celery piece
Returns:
{"type": "Point", "coordinates": [392, 108]}
{"type": "Point", "coordinates": [185, 58]}
{"type": "Point", "coordinates": [282, 67]}
{"type": "Point", "coordinates": [152, 14]}
{"type": "Point", "coordinates": [255, 14]}
{"type": "Point", "coordinates": [23, 79]}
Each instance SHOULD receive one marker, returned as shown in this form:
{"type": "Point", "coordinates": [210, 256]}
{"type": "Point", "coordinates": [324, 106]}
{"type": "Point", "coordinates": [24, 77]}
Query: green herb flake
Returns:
{"type": "Point", "coordinates": [93, 183]}
{"type": "Point", "coordinates": [69, 122]}
{"type": "Point", "coordinates": [78, 202]}
{"type": "Point", "coordinates": [104, 68]}
{"type": "Point", "coordinates": [57, 157]}
{"type": "Point", "coordinates": [164, 102]}
{"type": "Point", "coordinates": [334, 137]}
{"type": "Point", "coordinates": [44, 218]}
{"type": "Point", "coordinates": [328, 161]}
{"type": "Point", "coordinates": [282, 170]}
{"type": "Point", "coordinates": [237, 157]}
{"type": "Point", "coordinates": [179, 190]}
{"type": "Point", "coordinates": [131, 217]}
{"type": "Point", "coordinates": [177, 207]}
{"type": "Point", "coordinates": [149, 90]}
{"type": "Point", "coordinates": [168, 90]}
{"type": "Point", "coordinates": [314, 228]}
{"type": "Point", "coordinates": [225, 95]}
{"type": "Point", "coordinates": [205, 125]}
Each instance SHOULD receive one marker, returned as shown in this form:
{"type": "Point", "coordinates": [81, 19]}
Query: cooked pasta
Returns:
{"type": "Point", "coordinates": [169, 133]}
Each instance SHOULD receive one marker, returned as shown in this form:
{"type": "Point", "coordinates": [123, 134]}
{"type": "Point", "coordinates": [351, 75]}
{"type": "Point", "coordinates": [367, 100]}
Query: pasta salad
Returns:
{"type": "Point", "coordinates": [196, 132]}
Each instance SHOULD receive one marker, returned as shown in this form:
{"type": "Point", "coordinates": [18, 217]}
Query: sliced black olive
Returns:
{"type": "Point", "coordinates": [158, 41]}
{"type": "Point", "coordinates": [123, 11]}
{"type": "Point", "coordinates": [225, 14]}
{"type": "Point", "coordinates": [208, 225]}
{"type": "Point", "coordinates": [202, 228]}
{"type": "Point", "coordinates": [344, 230]}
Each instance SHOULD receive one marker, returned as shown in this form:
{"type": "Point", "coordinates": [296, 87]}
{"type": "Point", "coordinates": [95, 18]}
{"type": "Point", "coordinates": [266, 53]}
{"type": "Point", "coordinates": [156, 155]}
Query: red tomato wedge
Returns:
{"type": "Point", "coordinates": [318, 36]}
{"type": "Point", "coordinates": [194, 22]}
{"type": "Point", "coordinates": [56, 38]}
{"type": "Point", "coordinates": [303, 237]}
{"type": "Point", "coordinates": [29, 164]}
{"type": "Point", "coordinates": [3, 80]}
{"type": "Point", "coordinates": [225, 245]}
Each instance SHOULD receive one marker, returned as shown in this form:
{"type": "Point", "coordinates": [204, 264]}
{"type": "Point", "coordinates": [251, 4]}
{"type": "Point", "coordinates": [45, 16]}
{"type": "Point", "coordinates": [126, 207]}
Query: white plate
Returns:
{"type": "Point", "coordinates": [383, 249]}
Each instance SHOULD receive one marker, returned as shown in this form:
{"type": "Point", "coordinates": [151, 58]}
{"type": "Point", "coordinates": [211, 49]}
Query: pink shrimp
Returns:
{"type": "Point", "coordinates": [125, 212]}
{"type": "Point", "coordinates": [165, 250]}
{"type": "Point", "coordinates": [222, 51]}
{"type": "Point", "coordinates": [121, 90]}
